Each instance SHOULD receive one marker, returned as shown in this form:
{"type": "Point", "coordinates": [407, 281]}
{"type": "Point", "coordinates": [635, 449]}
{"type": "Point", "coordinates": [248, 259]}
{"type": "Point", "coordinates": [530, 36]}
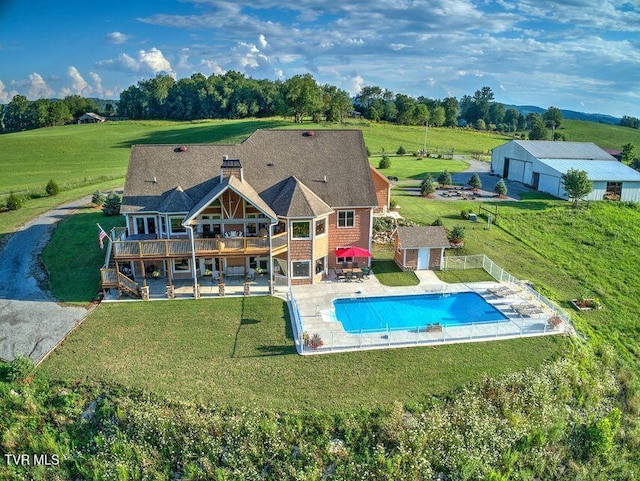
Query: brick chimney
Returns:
{"type": "Point", "coordinates": [230, 167]}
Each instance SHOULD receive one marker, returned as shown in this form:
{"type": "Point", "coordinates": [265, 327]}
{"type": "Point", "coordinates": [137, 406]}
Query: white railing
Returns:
{"type": "Point", "coordinates": [296, 322]}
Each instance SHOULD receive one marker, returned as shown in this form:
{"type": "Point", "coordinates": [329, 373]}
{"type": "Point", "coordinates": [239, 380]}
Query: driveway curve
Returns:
{"type": "Point", "coordinates": [32, 322]}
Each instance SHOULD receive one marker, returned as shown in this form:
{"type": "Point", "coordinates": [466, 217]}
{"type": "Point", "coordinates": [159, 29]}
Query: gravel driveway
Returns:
{"type": "Point", "coordinates": [32, 322]}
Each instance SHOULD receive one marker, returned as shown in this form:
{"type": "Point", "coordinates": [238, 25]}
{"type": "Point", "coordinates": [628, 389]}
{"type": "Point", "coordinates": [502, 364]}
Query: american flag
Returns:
{"type": "Point", "coordinates": [101, 235]}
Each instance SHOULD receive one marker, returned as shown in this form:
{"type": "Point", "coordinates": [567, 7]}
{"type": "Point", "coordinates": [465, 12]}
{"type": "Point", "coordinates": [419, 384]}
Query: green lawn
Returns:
{"type": "Point", "coordinates": [73, 257]}
{"type": "Point", "coordinates": [565, 253]}
{"type": "Point", "coordinates": [389, 274]}
{"type": "Point", "coordinates": [604, 135]}
{"type": "Point", "coordinates": [239, 352]}
{"type": "Point", "coordinates": [409, 167]}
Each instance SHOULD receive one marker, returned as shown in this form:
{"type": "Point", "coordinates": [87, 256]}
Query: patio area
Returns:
{"type": "Point", "coordinates": [209, 287]}
{"type": "Point", "coordinates": [527, 312]}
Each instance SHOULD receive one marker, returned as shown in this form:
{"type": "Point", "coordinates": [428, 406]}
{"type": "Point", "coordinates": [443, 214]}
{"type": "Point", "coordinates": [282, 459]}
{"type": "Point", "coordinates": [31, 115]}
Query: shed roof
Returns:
{"type": "Point", "coordinates": [332, 164]}
{"type": "Point", "coordinates": [597, 170]}
{"type": "Point", "coordinates": [417, 237]}
{"type": "Point", "coordinates": [546, 149]}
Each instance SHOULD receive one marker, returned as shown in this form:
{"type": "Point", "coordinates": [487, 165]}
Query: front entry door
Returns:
{"type": "Point", "coordinates": [423, 259]}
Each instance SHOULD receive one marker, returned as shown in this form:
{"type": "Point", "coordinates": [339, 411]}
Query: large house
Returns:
{"type": "Point", "coordinates": [279, 203]}
{"type": "Point", "coordinates": [541, 163]}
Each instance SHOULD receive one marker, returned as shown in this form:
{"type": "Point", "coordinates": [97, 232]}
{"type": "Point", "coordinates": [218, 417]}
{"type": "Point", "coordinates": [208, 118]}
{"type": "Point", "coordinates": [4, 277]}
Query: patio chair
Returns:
{"type": "Point", "coordinates": [251, 274]}
{"type": "Point", "coordinates": [355, 265]}
{"type": "Point", "coordinates": [340, 275]}
{"type": "Point", "coordinates": [348, 276]}
{"type": "Point", "coordinates": [345, 265]}
{"type": "Point", "coordinates": [365, 272]}
{"type": "Point", "coordinates": [359, 276]}
{"type": "Point", "coordinates": [215, 275]}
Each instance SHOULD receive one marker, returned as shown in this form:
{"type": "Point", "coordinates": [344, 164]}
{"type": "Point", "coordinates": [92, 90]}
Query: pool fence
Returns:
{"type": "Point", "coordinates": [318, 341]}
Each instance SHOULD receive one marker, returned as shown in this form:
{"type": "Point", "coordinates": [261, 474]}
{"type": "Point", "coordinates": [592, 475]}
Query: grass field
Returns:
{"type": "Point", "coordinates": [566, 254]}
{"type": "Point", "coordinates": [409, 167]}
{"type": "Point", "coordinates": [605, 135]}
{"type": "Point", "coordinates": [240, 352]}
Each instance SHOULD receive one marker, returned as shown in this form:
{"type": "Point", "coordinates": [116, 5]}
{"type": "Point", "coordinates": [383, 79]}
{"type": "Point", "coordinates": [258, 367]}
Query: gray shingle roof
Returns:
{"type": "Point", "coordinates": [242, 188]}
{"type": "Point", "coordinates": [546, 149]}
{"type": "Point", "coordinates": [176, 200]}
{"type": "Point", "coordinates": [269, 158]}
{"type": "Point", "coordinates": [297, 200]}
{"type": "Point", "coordinates": [417, 237]}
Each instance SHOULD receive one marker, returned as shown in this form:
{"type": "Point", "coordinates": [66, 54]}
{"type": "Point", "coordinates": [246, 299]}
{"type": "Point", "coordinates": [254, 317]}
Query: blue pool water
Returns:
{"type": "Point", "coordinates": [374, 314]}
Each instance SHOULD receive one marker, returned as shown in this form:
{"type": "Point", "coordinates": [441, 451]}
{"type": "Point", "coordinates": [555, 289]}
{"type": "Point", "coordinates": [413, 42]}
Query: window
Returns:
{"type": "Point", "coordinates": [139, 225]}
{"type": "Point", "coordinates": [346, 218]}
{"type": "Point", "coordinates": [301, 268]}
{"type": "Point", "coordinates": [614, 191]}
{"type": "Point", "coordinates": [176, 225]}
{"type": "Point", "coordinates": [321, 226]}
{"type": "Point", "coordinates": [340, 260]}
{"type": "Point", "coordinates": [301, 230]}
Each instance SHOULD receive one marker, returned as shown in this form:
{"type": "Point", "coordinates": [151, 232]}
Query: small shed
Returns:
{"type": "Point", "coordinates": [91, 118]}
{"type": "Point", "coordinates": [420, 248]}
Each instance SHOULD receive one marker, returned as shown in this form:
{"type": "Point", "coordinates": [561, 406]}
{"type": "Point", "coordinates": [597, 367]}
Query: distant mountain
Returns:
{"type": "Point", "coordinates": [567, 114]}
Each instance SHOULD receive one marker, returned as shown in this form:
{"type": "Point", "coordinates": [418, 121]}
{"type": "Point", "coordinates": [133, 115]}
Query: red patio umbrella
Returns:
{"type": "Point", "coordinates": [352, 251]}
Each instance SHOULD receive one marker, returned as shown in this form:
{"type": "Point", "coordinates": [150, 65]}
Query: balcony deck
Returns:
{"type": "Point", "coordinates": [180, 248]}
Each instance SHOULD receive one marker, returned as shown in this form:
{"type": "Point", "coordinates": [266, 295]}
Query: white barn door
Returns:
{"type": "Point", "coordinates": [423, 259]}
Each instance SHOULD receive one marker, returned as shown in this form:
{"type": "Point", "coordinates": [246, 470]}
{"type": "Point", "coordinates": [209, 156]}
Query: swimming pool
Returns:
{"type": "Point", "coordinates": [375, 314]}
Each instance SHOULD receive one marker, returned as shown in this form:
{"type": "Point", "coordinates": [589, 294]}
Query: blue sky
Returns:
{"type": "Point", "coordinates": [576, 54]}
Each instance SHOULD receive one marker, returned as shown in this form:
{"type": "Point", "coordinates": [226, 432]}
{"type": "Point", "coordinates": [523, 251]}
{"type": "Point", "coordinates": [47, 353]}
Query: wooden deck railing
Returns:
{"type": "Point", "coordinates": [182, 247]}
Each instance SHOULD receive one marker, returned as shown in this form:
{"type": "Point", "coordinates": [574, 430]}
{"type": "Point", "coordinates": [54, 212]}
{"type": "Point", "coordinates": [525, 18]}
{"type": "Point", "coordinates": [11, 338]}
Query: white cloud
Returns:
{"type": "Point", "coordinates": [148, 62]}
{"type": "Point", "coordinates": [35, 87]}
{"type": "Point", "coordinates": [213, 67]}
{"type": "Point", "coordinates": [97, 82]}
{"type": "Point", "coordinates": [117, 38]}
{"type": "Point", "coordinates": [79, 85]}
{"type": "Point", "coordinates": [183, 60]}
{"type": "Point", "coordinates": [355, 85]}
{"type": "Point", "coordinates": [5, 96]}
{"type": "Point", "coordinates": [155, 62]}
{"type": "Point", "coordinates": [262, 41]}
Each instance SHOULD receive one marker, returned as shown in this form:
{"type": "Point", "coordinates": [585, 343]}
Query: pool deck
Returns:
{"type": "Point", "coordinates": [317, 314]}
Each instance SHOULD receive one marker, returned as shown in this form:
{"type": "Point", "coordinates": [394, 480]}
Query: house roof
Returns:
{"type": "Point", "coordinates": [546, 149]}
{"type": "Point", "coordinates": [176, 200]}
{"type": "Point", "coordinates": [330, 164]}
{"type": "Point", "coordinates": [297, 200]}
{"type": "Point", "coordinates": [92, 115]}
{"type": "Point", "coordinates": [597, 170]}
{"type": "Point", "coordinates": [237, 185]}
{"type": "Point", "coordinates": [417, 237]}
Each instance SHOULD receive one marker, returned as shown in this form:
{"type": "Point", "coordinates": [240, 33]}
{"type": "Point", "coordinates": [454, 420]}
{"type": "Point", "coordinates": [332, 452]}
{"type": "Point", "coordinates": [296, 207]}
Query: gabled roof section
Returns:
{"type": "Point", "coordinates": [379, 174]}
{"type": "Point", "coordinates": [297, 200]}
{"type": "Point", "coordinates": [243, 189]}
{"type": "Point", "coordinates": [176, 200]}
{"type": "Point", "coordinates": [418, 237]}
{"type": "Point", "coordinates": [597, 170]}
{"type": "Point", "coordinates": [547, 149]}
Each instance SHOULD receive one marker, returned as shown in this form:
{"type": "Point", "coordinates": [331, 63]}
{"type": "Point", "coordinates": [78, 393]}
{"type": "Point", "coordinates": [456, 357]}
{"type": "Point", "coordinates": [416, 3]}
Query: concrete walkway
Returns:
{"type": "Point", "coordinates": [32, 322]}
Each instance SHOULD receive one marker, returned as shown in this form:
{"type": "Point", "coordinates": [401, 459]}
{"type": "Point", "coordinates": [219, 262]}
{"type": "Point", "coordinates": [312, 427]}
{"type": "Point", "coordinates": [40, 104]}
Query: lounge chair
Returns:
{"type": "Point", "coordinates": [435, 327]}
{"type": "Point", "coordinates": [502, 291]}
{"type": "Point", "coordinates": [527, 310]}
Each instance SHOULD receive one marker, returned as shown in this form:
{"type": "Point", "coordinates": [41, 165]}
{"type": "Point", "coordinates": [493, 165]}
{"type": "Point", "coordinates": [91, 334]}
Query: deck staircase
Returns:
{"type": "Point", "coordinates": [111, 278]}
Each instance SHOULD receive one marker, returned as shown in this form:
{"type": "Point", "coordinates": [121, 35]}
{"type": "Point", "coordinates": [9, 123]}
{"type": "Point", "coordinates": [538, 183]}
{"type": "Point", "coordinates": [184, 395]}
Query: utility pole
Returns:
{"type": "Point", "coordinates": [426, 130]}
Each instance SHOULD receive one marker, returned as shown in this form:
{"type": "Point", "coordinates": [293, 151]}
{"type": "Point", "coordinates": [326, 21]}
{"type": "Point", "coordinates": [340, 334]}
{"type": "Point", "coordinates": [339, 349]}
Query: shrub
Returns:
{"type": "Point", "coordinates": [112, 204]}
{"type": "Point", "coordinates": [368, 152]}
{"type": "Point", "coordinates": [464, 214]}
{"type": "Point", "coordinates": [52, 188]}
{"type": "Point", "coordinates": [14, 202]}
{"type": "Point", "coordinates": [383, 224]}
{"type": "Point", "coordinates": [457, 233]}
{"type": "Point", "coordinates": [385, 162]}
{"type": "Point", "coordinates": [401, 150]}
{"type": "Point", "coordinates": [98, 198]}
{"type": "Point", "coordinates": [393, 203]}
{"type": "Point", "coordinates": [20, 368]}
{"type": "Point", "coordinates": [501, 187]}
{"type": "Point", "coordinates": [437, 222]}
{"type": "Point", "coordinates": [444, 178]}
{"type": "Point", "coordinates": [426, 187]}
{"type": "Point", "coordinates": [475, 181]}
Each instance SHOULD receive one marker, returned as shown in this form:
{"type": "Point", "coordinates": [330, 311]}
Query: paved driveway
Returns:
{"type": "Point", "coordinates": [31, 321]}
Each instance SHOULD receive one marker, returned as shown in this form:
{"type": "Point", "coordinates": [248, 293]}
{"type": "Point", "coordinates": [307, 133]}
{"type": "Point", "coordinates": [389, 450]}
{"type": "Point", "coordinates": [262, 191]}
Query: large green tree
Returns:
{"type": "Point", "coordinates": [302, 95]}
{"type": "Point", "coordinates": [552, 117]}
{"type": "Point", "coordinates": [629, 153]}
{"type": "Point", "coordinates": [576, 184]}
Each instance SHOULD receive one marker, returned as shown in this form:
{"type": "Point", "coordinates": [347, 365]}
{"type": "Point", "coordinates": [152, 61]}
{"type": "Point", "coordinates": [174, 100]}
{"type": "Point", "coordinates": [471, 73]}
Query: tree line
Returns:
{"type": "Point", "coordinates": [235, 96]}
{"type": "Point", "coordinates": [23, 114]}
